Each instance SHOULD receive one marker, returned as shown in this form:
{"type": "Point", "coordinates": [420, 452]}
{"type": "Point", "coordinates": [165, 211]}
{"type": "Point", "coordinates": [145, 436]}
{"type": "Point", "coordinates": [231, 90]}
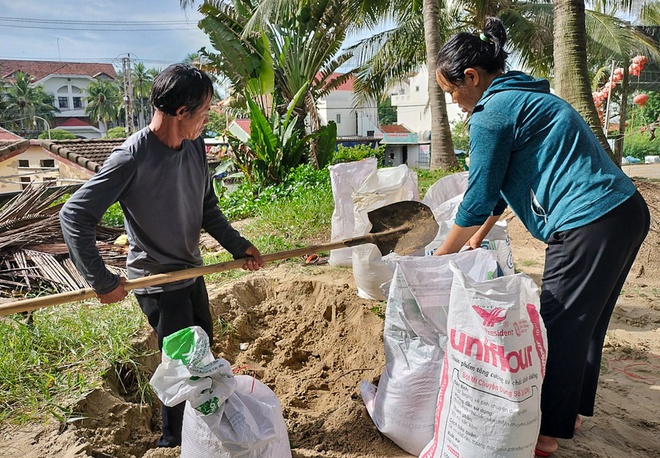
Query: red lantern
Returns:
{"type": "Point", "coordinates": [640, 99]}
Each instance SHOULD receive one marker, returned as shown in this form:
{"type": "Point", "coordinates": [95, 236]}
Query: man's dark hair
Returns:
{"type": "Point", "coordinates": [180, 85]}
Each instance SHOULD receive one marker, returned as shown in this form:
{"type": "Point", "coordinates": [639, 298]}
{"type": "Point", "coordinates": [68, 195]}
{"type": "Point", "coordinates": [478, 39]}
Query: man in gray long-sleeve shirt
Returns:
{"type": "Point", "coordinates": [160, 178]}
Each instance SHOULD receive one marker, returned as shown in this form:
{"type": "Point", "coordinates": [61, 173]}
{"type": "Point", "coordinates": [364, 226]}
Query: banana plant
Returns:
{"type": "Point", "coordinates": [276, 145]}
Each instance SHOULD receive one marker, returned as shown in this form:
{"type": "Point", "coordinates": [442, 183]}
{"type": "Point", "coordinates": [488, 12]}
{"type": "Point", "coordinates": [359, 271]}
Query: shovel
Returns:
{"type": "Point", "coordinates": [402, 227]}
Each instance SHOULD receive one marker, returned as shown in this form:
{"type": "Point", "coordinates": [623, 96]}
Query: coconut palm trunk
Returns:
{"type": "Point", "coordinates": [442, 147]}
{"type": "Point", "coordinates": [570, 56]}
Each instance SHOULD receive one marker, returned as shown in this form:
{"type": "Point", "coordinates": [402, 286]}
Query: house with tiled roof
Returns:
{"type": "Point", "coordinates": [67, 82]}
{"type": "Point", "coordinates": [62, 162]}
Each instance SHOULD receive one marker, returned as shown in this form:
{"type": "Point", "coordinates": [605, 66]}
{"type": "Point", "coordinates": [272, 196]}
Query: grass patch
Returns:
{"type": "Point", "coordinates": [64, 354]}
{"type": "Point", "coordinates": [425, 178]}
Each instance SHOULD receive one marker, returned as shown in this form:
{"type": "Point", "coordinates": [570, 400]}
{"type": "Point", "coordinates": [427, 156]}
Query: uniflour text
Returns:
{"type": "Point", "coordinates": [492, 353]}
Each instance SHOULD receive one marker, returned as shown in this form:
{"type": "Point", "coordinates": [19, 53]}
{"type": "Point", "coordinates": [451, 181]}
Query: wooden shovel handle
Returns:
{"type": "Point", "coordinates": [168, 277]}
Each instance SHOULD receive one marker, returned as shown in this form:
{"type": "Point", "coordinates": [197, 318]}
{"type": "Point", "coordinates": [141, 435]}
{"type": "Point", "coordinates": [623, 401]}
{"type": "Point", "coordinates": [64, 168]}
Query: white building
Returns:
{"type": "Point", "coordinates": [356, 123]}
{"type": "Point", "coordinates": [67, 82]}
{"type": "Point", "coordinates": [411, 97]}
{"type": "Point", "coordinates": [353, 120]}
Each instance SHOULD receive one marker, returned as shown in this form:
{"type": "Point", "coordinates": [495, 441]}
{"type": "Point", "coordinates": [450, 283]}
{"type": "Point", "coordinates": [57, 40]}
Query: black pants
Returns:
{"type": "Point", "coordinates": [169, 312]}
{"type": "Point", "coordinates": [585, 269]}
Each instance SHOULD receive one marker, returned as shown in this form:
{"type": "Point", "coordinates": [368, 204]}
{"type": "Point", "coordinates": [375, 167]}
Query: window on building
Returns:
{"type": "Point", "coordinates": [52, 181]}
{"type": "Point", "coordinates": [370, 133]}
{"type": "Point", "coordinates": [338, 118]}
{"type": "Point", "coordinates": [416, 88]}
{"type": "Point", "coordinates": [63, 102]}
{"type": "Point", "coordinates": [77, 102]}
{"type": "Point", "coordinates": [25, 182]}
{"type": "Point", "coordinates": [23, 163]}
{"type": "Point", "coordinates": [47, 163]}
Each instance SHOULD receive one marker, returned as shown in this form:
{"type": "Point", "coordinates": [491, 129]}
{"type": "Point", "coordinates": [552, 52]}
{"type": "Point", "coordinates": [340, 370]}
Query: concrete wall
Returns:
{"type": "Point", "coordinates": [14, 176]}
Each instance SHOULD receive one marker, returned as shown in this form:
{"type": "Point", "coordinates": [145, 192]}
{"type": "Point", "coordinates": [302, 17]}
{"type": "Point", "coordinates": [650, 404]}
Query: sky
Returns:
{"type": "Point", "coordinates": [154, 32]}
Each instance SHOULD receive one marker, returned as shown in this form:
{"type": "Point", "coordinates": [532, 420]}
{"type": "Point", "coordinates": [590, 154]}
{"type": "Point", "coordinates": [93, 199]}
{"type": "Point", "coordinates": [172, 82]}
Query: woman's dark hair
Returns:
{"type": "Point", "coordinates": [465, 50]}
{"type": "Point", "coordinates": [180, 85]}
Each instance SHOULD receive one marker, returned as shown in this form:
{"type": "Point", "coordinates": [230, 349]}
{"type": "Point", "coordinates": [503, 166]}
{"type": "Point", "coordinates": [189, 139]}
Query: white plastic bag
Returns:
{"type": "Point", "coordinates": [382, 187]}
{"type": "Point", "coordinates": [415, 336]}
{"type": "Point", "coordinates": [345, 179]}
{"type": "Point", "coordinates": [443, 198]}
{"type": "Point", "coordinates": [245, 422]}
{"type": "Point", "coordinates": [199, 441]}
{"type": "Point", "coordinates": [489, 403]}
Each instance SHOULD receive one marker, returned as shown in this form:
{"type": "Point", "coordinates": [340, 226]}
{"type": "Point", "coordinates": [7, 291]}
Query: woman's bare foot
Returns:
{"type": "Point", "coordinates": [578, 424]}
{"type": "Point", "coordinates": [546, 445]}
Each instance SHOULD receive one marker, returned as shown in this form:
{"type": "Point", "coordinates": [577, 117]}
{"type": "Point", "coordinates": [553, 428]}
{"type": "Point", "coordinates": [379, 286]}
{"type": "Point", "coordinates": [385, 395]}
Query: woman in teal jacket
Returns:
{"type": "Point", "coordinates": [532, 151]}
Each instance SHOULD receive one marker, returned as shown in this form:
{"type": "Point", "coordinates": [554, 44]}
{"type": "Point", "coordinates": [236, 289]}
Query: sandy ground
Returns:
{"type": "Point", "coordinates": [312, 340]}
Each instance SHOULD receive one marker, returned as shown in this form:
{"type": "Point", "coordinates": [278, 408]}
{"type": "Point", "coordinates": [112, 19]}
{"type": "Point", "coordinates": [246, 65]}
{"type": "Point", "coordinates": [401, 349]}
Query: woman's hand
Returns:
{"type": "Point", "coordinates": [474, 242]}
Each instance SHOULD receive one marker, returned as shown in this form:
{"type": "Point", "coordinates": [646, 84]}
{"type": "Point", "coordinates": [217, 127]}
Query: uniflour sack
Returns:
{"type": "Point", "coordinates": [226, 416]}
{"type": "Point", "coordinates": [489, 402]}
{"type": "Point", "coordinates": [415, 337]}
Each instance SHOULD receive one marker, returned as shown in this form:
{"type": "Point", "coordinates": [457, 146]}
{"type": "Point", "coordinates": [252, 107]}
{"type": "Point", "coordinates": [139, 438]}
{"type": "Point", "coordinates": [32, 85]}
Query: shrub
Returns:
{"type": "Point", "coordinates": [359, 152]}
{"type": "Point", "coordinates": [116, 132]}
{"type": "Point", "coordinates": [460, 135]}
{"type": "Point", "coordinates": [247, 199]}
{"type": "Point", "coordinates": [638, 144]}
{"type": "Point", "coordinates": [57, 134]}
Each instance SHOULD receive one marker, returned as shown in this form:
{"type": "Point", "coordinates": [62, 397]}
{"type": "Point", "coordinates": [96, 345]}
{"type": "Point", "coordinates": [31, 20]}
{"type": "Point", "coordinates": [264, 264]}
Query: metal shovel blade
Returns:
{"type": "Point", "coordinates": [402, 227]}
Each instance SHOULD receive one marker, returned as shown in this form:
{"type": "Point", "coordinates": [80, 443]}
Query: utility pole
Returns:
{"type": "Point", "coordinates": [128, 94]}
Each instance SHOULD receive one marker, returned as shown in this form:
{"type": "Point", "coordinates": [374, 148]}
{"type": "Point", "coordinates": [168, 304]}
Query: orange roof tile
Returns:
{"type": "Point", "coordinates": [394, 129]}
{"type": "Point", "coordinates": [91, 153]}
{"type": "Point", "coordinates": [41, 69]}
{"type": "Point", "coordinates": [74, 122]}
{"type": "Point", "coordinates": [7, 135]}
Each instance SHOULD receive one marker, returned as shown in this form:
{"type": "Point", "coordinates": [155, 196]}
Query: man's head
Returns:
{"type": "Point", "coordinates": [180, 89]}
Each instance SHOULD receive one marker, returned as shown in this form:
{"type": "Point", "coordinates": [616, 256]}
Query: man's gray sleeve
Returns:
{"type": "Point", "coordinates": [83, 211]}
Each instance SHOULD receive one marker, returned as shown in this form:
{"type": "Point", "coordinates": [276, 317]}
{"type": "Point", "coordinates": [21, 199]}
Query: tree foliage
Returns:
{"type": "Point", "coordinates": [23, 101]}
{"type": "Point", "coordinates": [103, 100]}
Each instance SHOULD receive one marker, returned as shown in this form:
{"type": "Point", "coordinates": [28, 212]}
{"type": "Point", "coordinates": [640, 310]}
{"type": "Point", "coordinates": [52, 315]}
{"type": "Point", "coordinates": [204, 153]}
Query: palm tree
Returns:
{"type": "Point", "coordinates": [271, 61]}
{"type": "Point", "coordinates": [142, 80]}
{"type": "Point", "coordinates": [24, 101]}
{"type": "Point", "coordinates": [103, 101]}
{"type": "Point", "coordinates": [442, 147]}
{"type": "Point", "coordinates": [572, 79]}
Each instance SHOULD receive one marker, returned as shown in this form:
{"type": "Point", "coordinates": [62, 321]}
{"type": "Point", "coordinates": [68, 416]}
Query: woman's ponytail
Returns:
{"type": "Point", "coordinates": [465, 50]}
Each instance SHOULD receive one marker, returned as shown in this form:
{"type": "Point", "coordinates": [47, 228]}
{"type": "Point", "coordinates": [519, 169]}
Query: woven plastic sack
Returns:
{"type": "Point", "coordinates": [382, 187]}
{"type": "Point", "coordinates": [415, 337]}
{"type": "Point", "coordinates": [443, 197]}
{"type": "Point", "coordinates": [345, 179]}
{"type": "Point", "coordinates": [489, 403]}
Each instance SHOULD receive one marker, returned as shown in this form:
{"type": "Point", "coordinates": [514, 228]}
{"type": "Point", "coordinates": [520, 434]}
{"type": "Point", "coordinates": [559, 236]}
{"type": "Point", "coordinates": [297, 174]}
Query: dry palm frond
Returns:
{"type": "Point", "coordinates": [33, 256]}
